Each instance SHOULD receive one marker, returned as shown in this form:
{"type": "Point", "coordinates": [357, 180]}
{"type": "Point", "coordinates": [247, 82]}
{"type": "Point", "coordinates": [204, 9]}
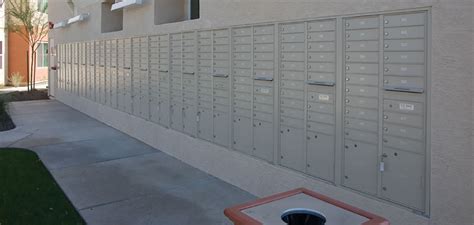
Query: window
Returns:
{"type": "Point", "coordinates": [1, 55]}
{"type": "Point", "coordinates": [42, 5]}
{"type": "Point", "coordinates": [170, 11]}
{"type": "Point", "coordinates": [42, 55]}
{"type": "Point", "coordinates": [110, 20]}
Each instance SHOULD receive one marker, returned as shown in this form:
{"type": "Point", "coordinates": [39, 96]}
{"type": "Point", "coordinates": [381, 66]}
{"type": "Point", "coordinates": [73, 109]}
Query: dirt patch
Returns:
{"type": "Point", "coordinates": [25, 95]}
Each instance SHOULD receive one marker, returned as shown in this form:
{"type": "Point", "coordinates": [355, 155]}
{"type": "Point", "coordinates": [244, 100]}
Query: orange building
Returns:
{"type": "Point", "coordinates": [13, 53]}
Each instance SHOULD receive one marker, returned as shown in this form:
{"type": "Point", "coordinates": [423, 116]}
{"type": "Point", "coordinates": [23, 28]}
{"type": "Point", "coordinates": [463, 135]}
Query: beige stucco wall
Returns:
{"type": "Point", "coordinates": [451, 99]}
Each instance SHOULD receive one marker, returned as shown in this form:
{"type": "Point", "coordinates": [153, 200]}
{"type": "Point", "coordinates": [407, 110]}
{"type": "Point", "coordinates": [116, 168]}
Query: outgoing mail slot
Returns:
{"type": "Point", "coordinates": [260, 39]}
{"type": "Point", "coordinates": [298, 85]}
{"type": "Point", "coordinates": [322, 25]}
{"type": "Point", "coordinates": [362, 35]}
{"type": "Point", "coordinates": [404, 45]}
{"type": "Point", "coordinates": [259, 30]}
{"type": "Point", "coordinates": [404, 144]}
{"type": "Point", "coordinates": [292, 122]}
{"type": "Point", "coordinates": [403, 131]}
{"type": "Point", "coordinates": [321, 118]}
{"type": "Point", "coordinates": [293, 56]}
{"type": "Point", "coordinates": [297, 66]}
{"type": "Point", "coordinates": [405, 20]}
{"type": "Point", "coordinates": [366, 114]}
{"type": "Point", "coordinates": [263, 47]}
{"type": "Point", "coordinates": [403, 119]}
{"type": "Point", "coordinates": [242, 40]}
{"type": "Point", "coordinates": [404, 70]}
{"type": "Point", "coordinates": [404, 57]}
{"type": "Point", "coordinates": [321, 107]}
{"type": "Point", "coordinates": [291, 38]}
{"type": "Point", "coordinates": [242, 31]}
{"type": "Point", "coordinates": [362, 23]}
{"type": "Point", "coordinates": [321, 67]}
{"type": "Point", "coordinates": [365, 57]}
{"type": "Point", "coordinates": [363, 125]}
{"type": "Point", "coordinates": [403, 106]}
{"type": "Point", "coordinates": [358, 135]}
{"type": "Point", "coordinates": [321, 46]}
{"type": "Point", "coordinates": [292, 103]}
{"type": "Point", "coordinates": [292, 28]}
{"type": "Point", "coordinates": [352, 46]}
{"type": "Point", "coordinates": [362, 68]}
{"type": "Point", "coordinates": [404, 83]}
{"type": "Point", "coordinates": [362, 79]}
{"type": "Point", "coordinates": [320, 97]}
{"type": "Point", "coordinates": [322, 36]}
{"type": "Point", "coordinates": [292, 94]}
{"type": "Point", "coordinates": [290, 112]}
{"type": "Point", "coordinates": [404, 32]}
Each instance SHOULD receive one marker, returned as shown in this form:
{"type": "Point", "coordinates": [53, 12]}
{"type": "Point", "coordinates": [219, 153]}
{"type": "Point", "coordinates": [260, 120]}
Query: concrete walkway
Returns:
{"type": "Point", "coordinates": [113, 179]}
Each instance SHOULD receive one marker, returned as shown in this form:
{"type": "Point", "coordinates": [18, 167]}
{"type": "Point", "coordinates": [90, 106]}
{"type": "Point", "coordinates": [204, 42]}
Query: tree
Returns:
{"type": "Point", "coordinates": [30, 21]}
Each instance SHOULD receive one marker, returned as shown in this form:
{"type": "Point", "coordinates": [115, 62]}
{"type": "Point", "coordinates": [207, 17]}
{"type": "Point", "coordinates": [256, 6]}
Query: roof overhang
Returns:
{"type": "Point", "coordinates": [125, 3]}
{"type": "Point", "coordinates": [78, 18]}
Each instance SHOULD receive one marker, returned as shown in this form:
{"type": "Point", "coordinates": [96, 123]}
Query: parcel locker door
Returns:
{"type": "Point", "coordinates": [242, 131]}
{"type": "Point", "coordinates": [360, 166]}
{"type": "Point", "coordinates": [189, 120]}
{"type": "Point", "coordinates": [292, 148]}
{"type": "Point", "coordinates": [176, 115]}
{"type": "Point", "coordinates": [221, 128]}
{"type": "Point", "coordinates": [164, 110]}
{"type": "Point", "coordinates": [403, 178]}
{"type": "Point", "coordinates": [205, 121]}
{"type": "Point", "coordinates": [263, 140]}
{"type": "Point", "coordinates": [320, 155]}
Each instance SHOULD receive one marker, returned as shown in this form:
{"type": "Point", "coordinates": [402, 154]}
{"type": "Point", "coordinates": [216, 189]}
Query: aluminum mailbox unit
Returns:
{"type": "Point", "coordinates": [342, 99]}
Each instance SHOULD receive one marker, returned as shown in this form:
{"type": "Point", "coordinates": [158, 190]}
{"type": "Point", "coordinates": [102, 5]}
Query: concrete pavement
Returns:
{"type": "Point", "coordinates": [113, 179]}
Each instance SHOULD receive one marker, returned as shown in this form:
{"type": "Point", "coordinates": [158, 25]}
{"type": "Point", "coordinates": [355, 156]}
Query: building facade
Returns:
{"type": "Point", "coordinates": [366, 102]}
{"type": "Point", "coordinates": [14, 51]}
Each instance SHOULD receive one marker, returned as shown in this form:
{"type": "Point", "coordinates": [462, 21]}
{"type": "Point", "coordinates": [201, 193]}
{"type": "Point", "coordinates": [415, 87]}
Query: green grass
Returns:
{"type": "Point", "coordinates": [28, 193]}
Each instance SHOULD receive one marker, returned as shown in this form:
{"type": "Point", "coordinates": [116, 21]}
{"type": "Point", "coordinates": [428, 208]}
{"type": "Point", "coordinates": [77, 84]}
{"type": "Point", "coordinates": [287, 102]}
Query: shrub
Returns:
{"type": "Point", "coordinates": [15, 79]}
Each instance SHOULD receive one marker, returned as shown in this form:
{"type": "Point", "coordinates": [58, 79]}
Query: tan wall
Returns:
{"type": "Point", "coordinates": [451, 98]}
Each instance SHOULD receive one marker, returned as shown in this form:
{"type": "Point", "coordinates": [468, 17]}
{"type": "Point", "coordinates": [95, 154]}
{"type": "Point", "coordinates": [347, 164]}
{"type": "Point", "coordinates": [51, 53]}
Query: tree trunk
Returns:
{"type": "Point", "coordinates": [28, 70]}
{"type": "Point", "coordinates": [34, 70]}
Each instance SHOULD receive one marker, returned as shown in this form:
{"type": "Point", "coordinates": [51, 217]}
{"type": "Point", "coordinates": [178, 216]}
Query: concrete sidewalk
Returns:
{"type": "Point", "coordinates": [113, 179]}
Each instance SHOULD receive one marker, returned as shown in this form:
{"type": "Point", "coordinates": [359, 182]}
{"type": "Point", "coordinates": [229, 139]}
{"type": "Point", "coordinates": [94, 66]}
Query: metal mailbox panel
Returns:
{"type": "Point", "coordinates": [292, 148]}
{"type": "Point", "coordinates": [259, 39]}
{"type": "Point", "coordinates": [362, 79]}
{"type": "Point", "coordinates": [404, 57]}
{"type": "Point", "coordinates": [321, 107]}
{"type": "Point", "coordinates": [292, 28]}
{"type": "Point", "coordinates": [263, 116]}
{"type": "Point", "coordinates": [362, 35]}
{"type": "Point", "coordinates": [404, 70]}
{"type": "Point", "coordinates": [404, 82]}
{"type": "Point", "coordinates": [176, 115]}
{"type": "Point", "coordinates": [359, 124]}
{"type": "Point", "coordinates": [221, 128]}
{"type": "Point", "coordinates": [205, 124]}
{"type": "Point", "coordinates": [292, 94]}
{"type": "Point", "coordinates": [404, 45]}
{"type": "Point", "coordinates": [321, 46]}
{"type": "Point", "coordinates": [360, 46]}
{"type": "Point", "coordinates": [321, 57]}
{"type": "Point", "coordinates": [403, 179]}
{"type": "Point", "coordinates": [371, 103]}
{"type": "Point", "coordinates": [242, 104]}
{"type": "Point", "coordinates": [292, 56]}
{"type": "Point", "coordinates": [322, 25]}
{"type": "Point", "coordinates": [290, 112]}
{"type": "Point", "coordinates": [242, 72]}
{"type": "Point", "coordinates": [404, 144]}
{"type": "Point", "coordinates": [321, 97]}
{"type": "Point", "coordinates": [360, 166]}
{"type": "Point", "coordinates": [265, 29]}
{"type": "Point", "coordinates": [291, 38]}
{"type": "Point", "coordinates": [403, 131]}
{"type": "Point", "coordinates": [412, 19]}
{"type": "Point", "coordinates": [242, 131]}
{"type": "Point", "coordinates": [366, 114]}
{"type": "Point", "coordinates": [321, 36]}
{"type": "Point", "coordinates": [298, 85]}
{"type": "Point", "coordinates": [362, 57]}
{"type": "Point", "coordinates": [293, 103]}
{"type": "Point", "coordinates": [263, 145]}
{"type": "Point", "coordinates": [321, 118]}
{"type": "Point", "coordinates": [321, 128]}
{"type": "Point", "coordinates": [403, 106]}
{"type": "Point", "coordinates": [242, 31]}
{"type": "Point", "coordinates": [364, 91]}
{"type": "Point", "coordinates": [320, 155]}
{"type": "Point", "coordinates": [362, 23]}
{"type": "Point", "coordinates": [292, 122]}
{"type": "Point", "coordinates": [292, 75]}
{"type": "Point", "coordinates": [404, 32]}
{"type": "Point", "coordinates": [242, 40]}
{"type": "Point", "coordinates": [189, 119]}
{"type": "Point", "coordinates": [362, 68]}
{"type": "Point", "coordinates": [291, 47]}
{"type": "Point", "coordinates": [242, 112]}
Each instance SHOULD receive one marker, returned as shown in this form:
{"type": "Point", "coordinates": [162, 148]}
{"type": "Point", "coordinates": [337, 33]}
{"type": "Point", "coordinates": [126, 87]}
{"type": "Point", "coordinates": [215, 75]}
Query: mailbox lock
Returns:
{"type": "Point", "coordinates": [385, 129]}
{"type": "Point", "coordinates": [348, 24]}
{"type": "Point", "coordinates": [384, 188]}
{"type": "Point", "coordinates": [386, 69]}
{"type": "Point", "coordinates": [348, 57]}
{"type": "Point", "coordinates": [348, 79]}
{"type": "Point", "coordinates": [347, 100]}
{"type": "Point", "coordinates": [386, 45]}
{"type": "Point", "coordinates": [385, 81]}
{"type": "Point", "coordinates": [386, 21]}
{"type": "Point", "coordinates": [386, 33]}
{"type": "Point", "coordinates": [385, 116]}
